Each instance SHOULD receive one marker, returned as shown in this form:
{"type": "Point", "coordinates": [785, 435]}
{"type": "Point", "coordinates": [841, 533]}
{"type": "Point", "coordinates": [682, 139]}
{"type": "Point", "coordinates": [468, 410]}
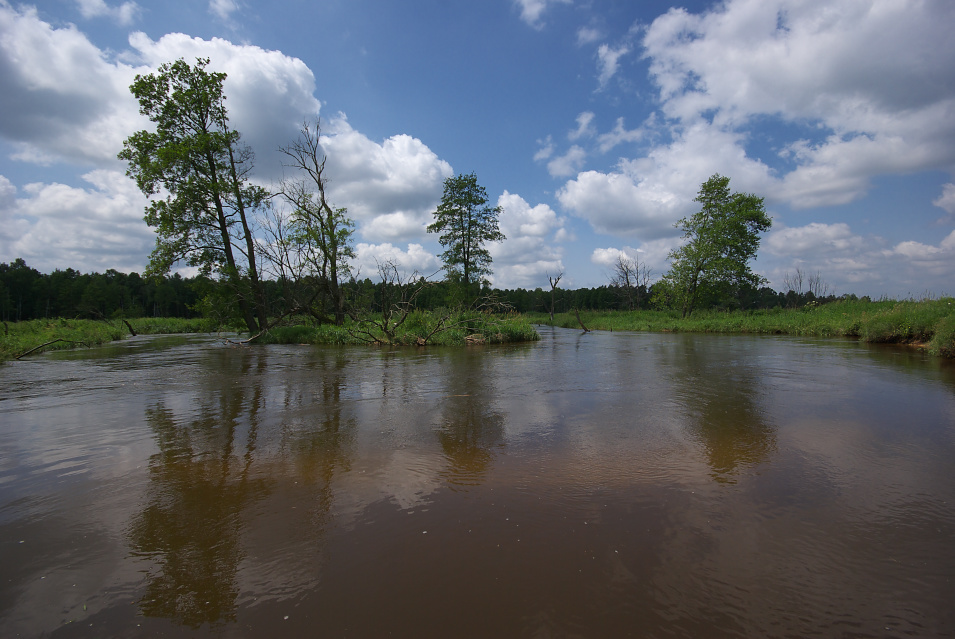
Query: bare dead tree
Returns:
{"type": "Point", "coordinates": [320, 233]}
{"type": "Point", "coordinates": [818, 287]}
{"type": "Point", "coordinates": [553, 291]}
{"type": "Point", "coordinates": [801, 285]}
{"type": "Point", "coordinates": [794, 281]}
{"type": "Point", "coordinates": [632, 279]}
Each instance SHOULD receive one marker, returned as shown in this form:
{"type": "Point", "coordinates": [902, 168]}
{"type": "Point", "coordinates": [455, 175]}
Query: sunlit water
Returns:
{"type": "Point", "coordinates": [588, 485]}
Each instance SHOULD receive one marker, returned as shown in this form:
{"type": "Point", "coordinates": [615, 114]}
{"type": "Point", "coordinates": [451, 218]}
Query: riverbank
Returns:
{"type": "Point", "coordinates": [19, 339]}
{"type": "Point", "coordinates": [927, 323]}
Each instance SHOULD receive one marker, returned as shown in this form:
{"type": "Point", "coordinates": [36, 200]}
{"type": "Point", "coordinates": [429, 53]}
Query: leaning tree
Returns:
{"type": "Point", "coordinates": [721, 239]}
{"type": "Point", "coordinates": [195, 171]}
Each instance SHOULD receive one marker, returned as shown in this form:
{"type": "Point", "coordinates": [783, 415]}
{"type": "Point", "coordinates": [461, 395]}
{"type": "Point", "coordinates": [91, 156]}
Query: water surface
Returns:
{"type": "Point", "coordinates": [588, 485]}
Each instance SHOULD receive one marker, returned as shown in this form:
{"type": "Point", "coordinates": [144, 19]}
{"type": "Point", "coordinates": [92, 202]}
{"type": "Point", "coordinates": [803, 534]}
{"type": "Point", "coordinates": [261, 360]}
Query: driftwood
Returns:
{"type": "Point", "coordinates": [54, 341]}
{"type": "Point", "coordinates": [579, 321]}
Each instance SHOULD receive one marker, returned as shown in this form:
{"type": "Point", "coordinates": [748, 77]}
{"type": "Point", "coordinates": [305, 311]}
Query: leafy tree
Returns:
{"type": "Point", "coordinates": [195, 165]}
{"type": "Point", "coordinates": [721, 239]}
{"type": "Point", "coordinates": [466, 223]}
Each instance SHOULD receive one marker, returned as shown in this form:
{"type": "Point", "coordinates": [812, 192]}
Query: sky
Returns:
{"type": "Point", "coordinates": [591, 123]}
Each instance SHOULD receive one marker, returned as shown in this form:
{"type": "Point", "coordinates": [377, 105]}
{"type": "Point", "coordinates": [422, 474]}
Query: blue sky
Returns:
{"type": "Point", "coordinates": [591, 122]}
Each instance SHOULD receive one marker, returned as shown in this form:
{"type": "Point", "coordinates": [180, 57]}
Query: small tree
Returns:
{"type": "Point", "coordinates": [631, 279]}
{"type": "Point", "coordinates": [321, 234]}
{"type": "Point", "coordinates": [466, 223]}
{"type": "Point", "coordinates": [721, 239]}
{"type": "Point", "coordinates": [194, 162]}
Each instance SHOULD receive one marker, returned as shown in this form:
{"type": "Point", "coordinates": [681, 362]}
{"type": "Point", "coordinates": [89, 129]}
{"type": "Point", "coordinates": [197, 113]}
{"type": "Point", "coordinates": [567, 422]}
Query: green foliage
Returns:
{"type": "Point", "coordinates": [466, 327]}
{"type": "Point", "coordinates": [721, 239]}
{"type": "Point", "coordinates": [319, 240]}
{"type": "Point", "coordinates": [928, 322]}
{"type": "Point", "coordinates": [17, 338]}
{"type": "Point", "coordinates": [195, 170]}
{"type": "Point", "coordinates": [466, 223]}
{"type": "Point", "coordinates": [942, 343]}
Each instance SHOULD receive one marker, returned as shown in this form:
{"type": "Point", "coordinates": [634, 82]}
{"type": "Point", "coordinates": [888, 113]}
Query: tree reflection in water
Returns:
{"type": "Point", "coordinates": [199, 487]}
{"type": "Point", "coordinates": [320, 439]}
{"type": "Point", "coordinates": [720, 396]}
{"type": "Point", "coordinates": [471, 429]}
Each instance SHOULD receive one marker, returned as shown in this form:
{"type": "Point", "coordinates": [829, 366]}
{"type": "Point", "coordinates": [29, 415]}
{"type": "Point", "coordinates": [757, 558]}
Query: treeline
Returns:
{"type": "Point", "coordinates": [27, 294]}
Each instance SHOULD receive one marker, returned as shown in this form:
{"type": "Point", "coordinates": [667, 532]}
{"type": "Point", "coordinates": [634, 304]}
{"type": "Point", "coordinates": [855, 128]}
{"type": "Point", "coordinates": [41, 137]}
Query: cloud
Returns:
{"type": "Point", "coordinates": [856, 264]}
{"type": "Point", "coordinates": [816, 240]}
{"type": "Point", "coordinates": [125, 14]}
{"type": "Point", "coordinates": [874, 77]}
{"type": "Point", "coordinates": [63, 99]}
{"type": "Point", "coordinates": [608, 62]}
{"type": "Point", "coordinates": [532, 248]}
{"type": "Point", "coordinates": [608, 257]}
{"type": "Point", "coordinates": [568, 163]}
{"type": "Point", "coordinates": [223, 8]}
{"type": "Point", "coordinates": [533, 10]}
{"type": "Point", "coordinates": [585, 127]}
{"type": "Point", "coordinates": [546, 149]}
{"type": "Point", "coordinates": [268, 93]}
{"type": "Point", "coordinates": [946, 200]}
{"type": "Point", "coordinates": [588, 35]}
{"type": "Point", "coordinates": [644, 197]}
{"type": "Point", "coordinates": [619, 135]}
{"type": "Point", "coordinates": [413, 260]}
{"type": "Point", "coordinates": [94, 228]}
{"type": "Point", "coordinates": [60, 99]}
{"type": "Point", "coordinates": [391, 188]}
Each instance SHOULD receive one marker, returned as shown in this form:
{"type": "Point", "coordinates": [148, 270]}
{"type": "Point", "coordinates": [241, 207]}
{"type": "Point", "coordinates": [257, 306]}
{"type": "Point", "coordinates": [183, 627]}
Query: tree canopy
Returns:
{"type": "Point", "coordinates": [721, 239]}
{"type": "Point", "coordinates": [195, 165]}
{"type": "Point", "coordinates": [466, 223]}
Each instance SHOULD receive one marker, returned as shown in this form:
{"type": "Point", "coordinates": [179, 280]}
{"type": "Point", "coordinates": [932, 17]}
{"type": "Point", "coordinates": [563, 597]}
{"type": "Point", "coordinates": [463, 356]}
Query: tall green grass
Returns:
{"type": "Point", "coordinates": [929, 323]}
{"type": "Point", "coordinates": [418, 329]}
{"type": "Point", "coordinates": [17, 338]}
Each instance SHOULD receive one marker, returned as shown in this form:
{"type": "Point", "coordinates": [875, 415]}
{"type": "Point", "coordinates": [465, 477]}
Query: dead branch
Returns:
{"type": "Point", "coordinates": [54, 341]}
{"type": "Point", "coordinates": [579, 321]}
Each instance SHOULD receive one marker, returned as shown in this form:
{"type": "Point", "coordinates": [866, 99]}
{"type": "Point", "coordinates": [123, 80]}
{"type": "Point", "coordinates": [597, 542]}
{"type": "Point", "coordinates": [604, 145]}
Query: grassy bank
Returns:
{"type": "Point", "coordinates": [927, 323]}
{"type": "Point", "coordinates": [420, 328]}
{"type": "Point", "coordinates": [18, 338]}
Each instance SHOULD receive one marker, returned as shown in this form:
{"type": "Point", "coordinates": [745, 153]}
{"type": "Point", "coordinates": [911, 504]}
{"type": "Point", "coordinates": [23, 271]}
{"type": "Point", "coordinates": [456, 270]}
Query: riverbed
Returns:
{"type": "Point", "coordinates": [586, 485]}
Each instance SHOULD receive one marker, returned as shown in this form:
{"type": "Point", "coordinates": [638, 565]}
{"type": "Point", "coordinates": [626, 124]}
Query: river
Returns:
{"type": "Point", "coordinates": [587, 485]}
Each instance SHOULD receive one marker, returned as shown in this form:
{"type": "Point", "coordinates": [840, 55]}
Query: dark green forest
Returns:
{"type": "Point", "coordinates": [27, 294]}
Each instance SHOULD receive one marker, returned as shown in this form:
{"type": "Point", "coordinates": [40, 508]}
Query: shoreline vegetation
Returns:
{"type": "Point", "coordinates": [419, 328]}
{"type": "Point", "coordinates": [927, 324]}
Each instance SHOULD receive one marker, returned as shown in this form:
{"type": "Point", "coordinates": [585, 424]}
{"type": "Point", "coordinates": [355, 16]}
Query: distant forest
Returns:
{"type": "Point", "coordinates": [27, 294]}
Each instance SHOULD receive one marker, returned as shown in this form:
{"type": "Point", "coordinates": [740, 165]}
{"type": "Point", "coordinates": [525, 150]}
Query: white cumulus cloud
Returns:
{"type": "Point", "coordinates": [391, 188]}
{"type": "Point", "coordinates": [124, 14]}
{"type": "Point", "coordinates": [532, 11]}
{"type": "Point", "coordinates": [413, 260]}
{"type": "Point", "coordinates": [533, 246]}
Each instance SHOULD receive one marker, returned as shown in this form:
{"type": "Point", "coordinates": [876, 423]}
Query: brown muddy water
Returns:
{"type": "Point", "coordinates": [588, 485]}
